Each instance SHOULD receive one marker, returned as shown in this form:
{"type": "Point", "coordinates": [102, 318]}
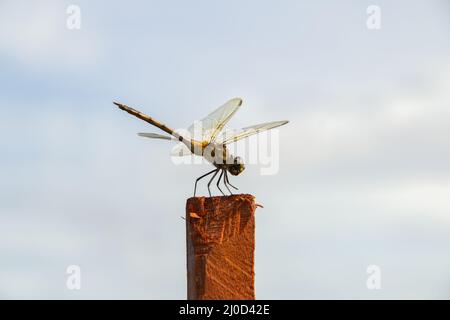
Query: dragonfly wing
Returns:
{"type": "Point", "coordinates": [208, 128]}
{"type": "Point", "coordinates": [233, 136]}
{"type": "Point", "coordinates": [180, 150]}
{"type": "Point", "coordinates": [154, 136]}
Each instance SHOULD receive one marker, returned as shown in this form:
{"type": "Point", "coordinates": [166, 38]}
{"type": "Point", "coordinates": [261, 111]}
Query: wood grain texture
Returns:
{"type": "Point", "coordinates": [220, 236]}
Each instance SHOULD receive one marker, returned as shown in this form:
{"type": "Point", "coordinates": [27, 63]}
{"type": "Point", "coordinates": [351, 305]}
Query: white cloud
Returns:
{"type": "Point", "coordinates": [402, 118]}
{"type": "Point", "coordinates": [35, 34]}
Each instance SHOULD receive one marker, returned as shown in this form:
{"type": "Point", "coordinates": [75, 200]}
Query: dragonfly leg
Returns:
{"type": "Point", "coordinates": [199, 178]}
{"type": "Point", "coordinates": [225, 180]}
{"type": "Point", "coordinates": [228, 181]}
{"type": "Point", "coordinates": [209, 183]}
{"type": "Point", "coordinates": [218, 181]}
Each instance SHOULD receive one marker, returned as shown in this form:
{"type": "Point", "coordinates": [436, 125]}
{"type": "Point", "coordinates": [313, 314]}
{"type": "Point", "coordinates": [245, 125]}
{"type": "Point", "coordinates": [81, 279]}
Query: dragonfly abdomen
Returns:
{"type": "Point", "coordinates": [150, 120]}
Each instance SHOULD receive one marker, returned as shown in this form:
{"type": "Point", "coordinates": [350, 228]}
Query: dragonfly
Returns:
{"type": "Point", "coordinates": [206, 138]}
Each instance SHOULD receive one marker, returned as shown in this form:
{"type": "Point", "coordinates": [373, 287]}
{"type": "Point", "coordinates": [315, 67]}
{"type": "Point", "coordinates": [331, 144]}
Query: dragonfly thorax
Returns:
{"type": "Point", "coordinates": [220, 157]}
{"type": "Point", "coordinates": [216, 154]}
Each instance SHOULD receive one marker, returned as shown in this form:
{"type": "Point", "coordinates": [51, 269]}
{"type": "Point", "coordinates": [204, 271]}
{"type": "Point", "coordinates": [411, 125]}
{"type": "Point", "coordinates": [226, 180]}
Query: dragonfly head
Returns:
{"type": "Point", "coordinates": [237, 167]}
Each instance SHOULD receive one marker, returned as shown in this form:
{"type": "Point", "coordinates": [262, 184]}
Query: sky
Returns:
{"type": "Point", "coordinates": [363, 175]}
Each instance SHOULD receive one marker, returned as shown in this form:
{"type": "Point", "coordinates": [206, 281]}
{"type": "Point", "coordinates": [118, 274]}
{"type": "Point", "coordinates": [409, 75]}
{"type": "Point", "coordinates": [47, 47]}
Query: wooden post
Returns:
{"type": "Point", "coordinates": [220, 236]}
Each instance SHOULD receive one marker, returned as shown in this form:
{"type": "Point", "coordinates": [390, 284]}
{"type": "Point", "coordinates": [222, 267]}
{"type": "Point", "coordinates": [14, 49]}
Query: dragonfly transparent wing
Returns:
{"type": "Point", "coordinates": [178, 150]}
{"type": "Point", "coordinates": [233, 136]}
{"type": "Point", "coordinates": [208, 128]}
{"type": "Point", "coordinates": [154, 136]}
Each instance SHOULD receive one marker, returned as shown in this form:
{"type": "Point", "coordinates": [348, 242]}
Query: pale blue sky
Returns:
{"type": "Point", "coordinates": [363, 174]}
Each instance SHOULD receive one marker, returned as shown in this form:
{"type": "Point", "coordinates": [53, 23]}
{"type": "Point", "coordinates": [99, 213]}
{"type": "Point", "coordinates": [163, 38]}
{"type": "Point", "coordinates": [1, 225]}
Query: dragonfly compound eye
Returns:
{"type": "Point", "coordinates": [237, 167]}
{"type": "Point", "coordinates": [237, 160]}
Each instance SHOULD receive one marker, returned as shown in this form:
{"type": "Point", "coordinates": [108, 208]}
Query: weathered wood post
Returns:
{"type": "Point", "coordinates": [220, 237]}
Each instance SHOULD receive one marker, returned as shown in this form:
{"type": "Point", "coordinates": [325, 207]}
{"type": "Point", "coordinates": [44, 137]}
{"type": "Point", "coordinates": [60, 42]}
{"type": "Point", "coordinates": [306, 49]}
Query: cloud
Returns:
{"type": "Point", "coordinates": [35, 35]}
{"type": "Point", "coordinates": [402, 119]}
